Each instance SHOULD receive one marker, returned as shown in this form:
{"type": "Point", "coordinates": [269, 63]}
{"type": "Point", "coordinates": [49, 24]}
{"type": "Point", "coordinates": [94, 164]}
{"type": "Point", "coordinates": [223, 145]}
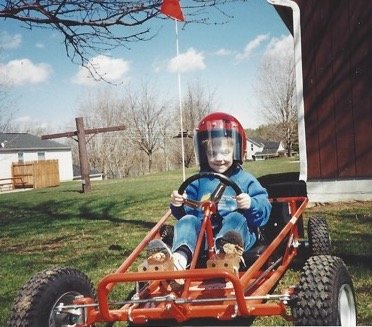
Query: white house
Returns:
{"type": "Point", "coordinates": [258, 149]}
{"type": "Point", "coordinates": [23, 147]}
{"type": "Point", "coordinates": [253, 146]}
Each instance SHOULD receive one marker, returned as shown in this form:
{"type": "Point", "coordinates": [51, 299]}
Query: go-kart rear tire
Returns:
{"type": "Point", "coordinates": [325, 294]}
{"type": "Point", "coordinates": [34, 304]}
{"type": "Point", "coordinates": [318, 234]}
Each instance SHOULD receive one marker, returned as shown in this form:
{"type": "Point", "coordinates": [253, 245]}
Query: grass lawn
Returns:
{"type": "Point", "coordinates": [95, 232]}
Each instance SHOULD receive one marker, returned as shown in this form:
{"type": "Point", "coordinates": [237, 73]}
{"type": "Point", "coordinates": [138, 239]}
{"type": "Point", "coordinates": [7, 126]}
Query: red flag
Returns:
{"type": "Point", "coordinates": [172, 9]}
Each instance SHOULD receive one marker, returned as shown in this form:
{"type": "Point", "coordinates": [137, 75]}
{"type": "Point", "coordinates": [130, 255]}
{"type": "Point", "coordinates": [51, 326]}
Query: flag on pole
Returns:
{"type": "Point", "coordinates": [172, 9]}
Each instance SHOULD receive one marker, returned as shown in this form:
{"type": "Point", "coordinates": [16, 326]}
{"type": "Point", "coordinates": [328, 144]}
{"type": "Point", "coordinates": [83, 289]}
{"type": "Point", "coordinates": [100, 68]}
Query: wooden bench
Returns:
{"type": "Point", "coordinates": [10, 183]}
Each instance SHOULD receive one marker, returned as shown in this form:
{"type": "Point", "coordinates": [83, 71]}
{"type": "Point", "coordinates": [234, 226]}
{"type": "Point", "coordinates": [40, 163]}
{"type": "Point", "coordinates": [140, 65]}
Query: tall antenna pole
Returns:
{"type": "Point", "coordinates": [180, 103]}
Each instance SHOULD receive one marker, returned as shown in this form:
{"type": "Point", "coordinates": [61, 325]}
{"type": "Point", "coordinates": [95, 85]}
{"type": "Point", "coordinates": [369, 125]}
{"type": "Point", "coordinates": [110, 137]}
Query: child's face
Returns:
{"type": "Point", "coordinates": [220, 154]}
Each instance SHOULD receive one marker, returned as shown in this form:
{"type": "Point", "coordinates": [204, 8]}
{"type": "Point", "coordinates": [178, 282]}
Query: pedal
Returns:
{"type": "Point", "coordinates": [157, 262]}
{"type": "Point", "coordinates": [230, 262]}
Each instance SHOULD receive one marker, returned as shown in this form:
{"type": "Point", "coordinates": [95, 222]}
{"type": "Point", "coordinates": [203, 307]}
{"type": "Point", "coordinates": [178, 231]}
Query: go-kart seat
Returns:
{"type": "Point", "coordinates": [277, 185]}
{"type": "Point", "coordinates": [279, 217]}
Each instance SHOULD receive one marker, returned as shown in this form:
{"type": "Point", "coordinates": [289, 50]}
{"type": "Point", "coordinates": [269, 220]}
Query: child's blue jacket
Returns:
{"type": "Point", "coordinates": [199, 190]}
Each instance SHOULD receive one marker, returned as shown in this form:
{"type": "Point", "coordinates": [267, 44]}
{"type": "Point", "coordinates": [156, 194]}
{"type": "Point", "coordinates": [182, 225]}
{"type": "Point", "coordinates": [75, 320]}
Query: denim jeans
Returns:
{"type": "Point", "coordinates": [187, 230]}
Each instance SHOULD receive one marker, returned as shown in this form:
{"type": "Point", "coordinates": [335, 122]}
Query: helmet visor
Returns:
{"type": "Point", "coordinates": [217, 139]}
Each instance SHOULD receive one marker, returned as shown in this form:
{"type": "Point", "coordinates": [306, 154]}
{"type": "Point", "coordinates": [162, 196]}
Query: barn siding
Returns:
{"type": "Point", "coordinates": [310, 87]}
{"type": "Point", "coordinates": [361, 63]}
{"type": "Point", "coordinates": [342, 84]}
{"type": "Point", "coordinates": [336, 41]}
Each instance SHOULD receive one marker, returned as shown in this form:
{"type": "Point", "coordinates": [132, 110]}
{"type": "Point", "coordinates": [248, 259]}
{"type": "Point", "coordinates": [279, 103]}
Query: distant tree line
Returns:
{"type": "Point", "coordinates": [151, 141]}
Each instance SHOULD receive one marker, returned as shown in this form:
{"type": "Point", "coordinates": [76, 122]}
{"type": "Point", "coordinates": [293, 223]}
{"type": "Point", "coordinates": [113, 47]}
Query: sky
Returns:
{"type": "Point", "coordinates": [224, 59]}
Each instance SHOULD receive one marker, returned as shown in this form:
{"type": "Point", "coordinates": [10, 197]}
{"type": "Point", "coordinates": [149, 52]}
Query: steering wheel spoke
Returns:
{"type": "Point", "coordinates": [193, 203]}
{"type": "Point", "coordinates": [217, 193]}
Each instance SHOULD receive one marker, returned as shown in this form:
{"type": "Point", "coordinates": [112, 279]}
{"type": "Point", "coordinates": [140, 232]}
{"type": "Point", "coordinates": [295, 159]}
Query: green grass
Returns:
{"type": "Point", "coordinates": [95, 232]}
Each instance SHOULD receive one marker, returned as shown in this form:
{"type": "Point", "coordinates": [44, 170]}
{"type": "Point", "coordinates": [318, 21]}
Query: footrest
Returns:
{"type": "Point", "coordinates": [157, 264]}
{"type": "Point", "coordinates": [229, 262]}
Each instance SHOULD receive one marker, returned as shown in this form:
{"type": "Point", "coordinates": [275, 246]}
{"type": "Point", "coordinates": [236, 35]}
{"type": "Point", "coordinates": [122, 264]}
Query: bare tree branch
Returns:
{"type": "Point", "coordinates": [93, 26]}
{"type": "Point", "coordinates": [276, 91]}
{"type": "Point", "coordinates": [7, 107]}
{"type": "Point", "coordinates": [198, 102]}
{"type": "Point", "coordinates": [147, 114]}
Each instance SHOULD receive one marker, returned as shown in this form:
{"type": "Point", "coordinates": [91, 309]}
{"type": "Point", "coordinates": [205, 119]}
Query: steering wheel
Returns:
{"type": "Point", "coordinates": [216, 194]}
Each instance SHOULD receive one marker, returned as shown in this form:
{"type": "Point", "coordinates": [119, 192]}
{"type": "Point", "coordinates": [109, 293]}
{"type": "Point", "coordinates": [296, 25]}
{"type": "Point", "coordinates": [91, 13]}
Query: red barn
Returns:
{"type": "Point", "coordinates": [333, 41]}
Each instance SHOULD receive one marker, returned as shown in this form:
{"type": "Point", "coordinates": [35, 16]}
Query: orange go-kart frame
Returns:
{"type": "Point", "coordinates": [207, 293]}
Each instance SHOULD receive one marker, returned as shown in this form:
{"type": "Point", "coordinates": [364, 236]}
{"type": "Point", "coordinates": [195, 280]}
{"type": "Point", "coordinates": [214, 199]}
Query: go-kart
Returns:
{"type": "Point", "coordinates": [218, 289]}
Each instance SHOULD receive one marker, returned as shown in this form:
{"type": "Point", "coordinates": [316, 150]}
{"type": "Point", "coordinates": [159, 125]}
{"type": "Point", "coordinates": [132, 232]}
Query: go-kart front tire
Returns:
{"type": "Point", "coordinates": [325, 294]}
{"type": "Point", "coordinates": [35, 303]}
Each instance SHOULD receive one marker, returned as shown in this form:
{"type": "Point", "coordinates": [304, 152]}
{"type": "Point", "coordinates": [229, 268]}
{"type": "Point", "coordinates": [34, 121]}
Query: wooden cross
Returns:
{"type": "Point", "coordinates": [82, 142]}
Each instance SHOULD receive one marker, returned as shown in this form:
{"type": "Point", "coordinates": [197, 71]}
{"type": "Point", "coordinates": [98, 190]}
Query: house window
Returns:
{"type": "Point", "coordinates": [20, 156]}
{"type": "Point", "coordinates": [251, 147]}
{"type": "Point", "coordinates": [41, 156]}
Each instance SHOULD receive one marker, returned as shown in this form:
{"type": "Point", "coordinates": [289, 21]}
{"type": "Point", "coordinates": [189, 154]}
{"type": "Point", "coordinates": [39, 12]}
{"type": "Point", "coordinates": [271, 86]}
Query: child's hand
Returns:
{"type": "Point", "coordinates": [243, 201]}
{"type": "Point", "coordinates": [176, 199]}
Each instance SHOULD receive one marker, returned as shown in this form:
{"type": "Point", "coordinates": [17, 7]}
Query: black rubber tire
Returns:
{"type": "Point", "coordinates": [325, 294]}
{"type": "Point", "coordinates": [318, 234]}
{"type": "Point", "coordinates": [36, 300]}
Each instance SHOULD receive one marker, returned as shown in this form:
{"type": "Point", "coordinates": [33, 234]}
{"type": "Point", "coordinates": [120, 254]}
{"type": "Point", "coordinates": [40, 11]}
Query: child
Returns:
{"type": "Point", "coordinates": [220, 145]}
